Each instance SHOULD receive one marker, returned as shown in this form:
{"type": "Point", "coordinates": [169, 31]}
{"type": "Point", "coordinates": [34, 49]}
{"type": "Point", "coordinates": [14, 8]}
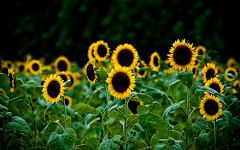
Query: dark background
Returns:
{"type": "Point", "coordinates": [50, 28]}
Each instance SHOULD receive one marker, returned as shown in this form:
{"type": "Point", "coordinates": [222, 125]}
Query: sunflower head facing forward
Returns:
{"type": "Point", "coordinates": [215, 84]}
{"type": "Point", "coordinates": [182, 55]}
{"type": "Point", "coordinates": [132, 105]}
{"type": "Point", "coordinates": [155, 61]}
{"type": "Point", "coordinates": [62, 64]}
{"type": "Point", "coordinates": [231, 62]}
{"type": "Point", "coordinates": [35, 67]}
{"type": "Point", "coordinates": [209, 71]}
{"type": "Point", "coordinates": [233, 71]}
{"type": "Point", "coordinates": [101, 50]}
{"type": "Point", "coordinates": [91, 73]}
{"type": "Point", "coordinates": [68, 101]}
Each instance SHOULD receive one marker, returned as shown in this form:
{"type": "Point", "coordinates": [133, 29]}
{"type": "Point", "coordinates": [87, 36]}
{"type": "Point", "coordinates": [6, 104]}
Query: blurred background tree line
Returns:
{"type": "Point", "coordinates": [50, 28]}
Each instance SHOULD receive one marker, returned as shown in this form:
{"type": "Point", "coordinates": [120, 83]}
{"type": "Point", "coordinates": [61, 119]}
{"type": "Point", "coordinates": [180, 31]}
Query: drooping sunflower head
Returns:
{"type": "Point", "coordinates": [235, 83]}
{"type": "Point", "coordinates": [201, 51]}
{"type": "Point", "coordinates": [233, 71]}
{"type": "Point", "coordinates": [21, 66]}
{"type": "Point", "coordinates": [142, 74]}
{"type": "Point", "coordinates": [73, 80]}
{"type": "Point", "coordinates": [53, 88]}
{"type": "Point", "coordinates": [121, 82]}
{"type": "Point", "coordinates": [3, 91]}
{"type": "Point", "coordinates": [215, 84]}
{"type": "Point", "coordinates": [35, 67]}
{"type": "Point", "coordinates": [125, 56]}
{"type": "Point", "coordinates": [209, 71]}
{"type": "Point", "coordinates": [101, 50]}
{"type": "Point", "coordinates": [63, 75]}
{"type": "Point", "coordinates": [231, 62]}
{"type": "Point", "coordinates": [68, 101]}
{"type": "Point", "coordinates": [91, 55]}
{"type": "Point", "coordinates": [210, 107]}
{"type": "Point", "coordinates": [155, 61]}
{"type": "Point", "coordinates": [62, 64]}
{"type": "Point", "coordinates": [132, 105]}
{"type": "Point", "coordinates": [195, 72]}
{"type": "Point", "coordinates": [12, 79]}
{"type": "Point", "coordinates": [182, 55]}
{"type": "Point", "coordinates": [91, 73]}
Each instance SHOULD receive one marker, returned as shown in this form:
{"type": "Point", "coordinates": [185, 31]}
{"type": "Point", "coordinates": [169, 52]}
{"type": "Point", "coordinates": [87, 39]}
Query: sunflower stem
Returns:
{"type": "Point", "coordinates": [34, 124]}
{"type": "Point", "coordinates": [65, 113]}
{"type": "Point", "coordinates": [125, 126]}
{"type": "Point", "coordinates": [107, 100]}
{"type": "Point", "coordinates": [215, 134]}
{"type": "Point", "coordinates": [187, 117]}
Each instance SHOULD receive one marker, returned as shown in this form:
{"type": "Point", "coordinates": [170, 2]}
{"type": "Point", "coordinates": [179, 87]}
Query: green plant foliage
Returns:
{"type": "Point", "coordinates": [88, 98]}
{"type": "Point", "coordinates": [68, 83]}
{"type": "Point", "coordinates": [102, 76]}
{"type": "Point", "coordinates": [110, 144]}
{"type": "Point", "coordinates": [18, 124]}
{"type": "Point", "coordinates": [171, 109]}
{"type": "Point", "coordinates": [146, 99]}
{"type": "Point", "coordinates": [4, 99]}
{"type": "Point", "coordinates": [173, 88]}
{"type": "Point", "coordinates": [85, 108]}
{"type": "Point", "coordinates": [186, 78]}
{"type": "Point", "coordinates": [4, 78]}
{"type": "Point", "coordinates": [204, 139]}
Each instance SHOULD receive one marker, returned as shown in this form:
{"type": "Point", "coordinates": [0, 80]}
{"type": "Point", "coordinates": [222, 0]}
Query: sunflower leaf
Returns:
{"type": "Point", "coordinates": [171, 109]}
{"type": "Point", "coordinates": [85, 108]}
{"type": "Point", "coordinates": [89, 96]}
{"type": "Point", "coordinates": [142, 110]}
{"type": "Point", "coordinates": [173, 88]}
{"type": "Point", "coordinates": [203, 139]}
{"type": "Point", "coordinates": [4, 78]}
{"type": "Point", "coordinates": [110, 144]}
{"type": "Point", "coordinates": [102, 76]}
{"type": "Point", "coordinates": [18, 124]}
{"type": "Point", "coordinates": [146, 99]}
{"type": "Point", "coordinates": [186, 78]}
{"type": "Point", "coordinates": [141, 144]}
{"type": "Point", "coordinates": [156, 121]}
{"type": "Point", "coordinates": [179, 128]}
{"type": "Point", "coordinates": [4, 99]}
{"type": "Point", "coordinates": [67, 83]}
{"type": "Point", "coordinates": [231, 75]}
{"type": "Point", "coordinates": [2, 108]}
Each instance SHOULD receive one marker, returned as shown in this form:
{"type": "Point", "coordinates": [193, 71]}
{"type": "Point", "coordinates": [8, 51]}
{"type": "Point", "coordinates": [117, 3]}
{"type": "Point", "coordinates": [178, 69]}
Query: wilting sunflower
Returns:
{"type": "Point", "coordinates": [201, 51]}
{"type": "Point", "coordinates": [215, 84]}
{"type": "Point", "coordinates": [231, 62]}
{"type": "Point", "coordinates": [125, 56]}
{"type": "Point", "coordinates": [155, 61]}
{"type": "Point", "coordinates": [210, 107]}
{"type": "Point", "coordinates": [182, 55]}
{"type": "Point", "coordinates": [62, 64]}
{"type": "Point", "coordinates": [91, 73]}
{"type": "Point", "coordinates": [101, 50]}
{"type": "Point", "coordinates": [21, 66]}
{"type": "Point", "coordinates": [235, 83]}
{"type": "Point", "coordinates": [232, 71]}
{"type": "Point", "coordinates": [35, 67]}
{"type": "Point", "coordinates": [3, 91]}
{"type": "Point", "coordinates": [12, 79]}
{"type": "Point", "coordinates": [73, 80]}
{"type": "Point", "coordinates": [209, 71]}
{"type": "Point", "coordinates": [195, 71]}
{"type": "Point", "coordinates": [53, 88]}
{"type": "Point", "coordinates": [121, 81]}
{"type": "Point", "coordinates": [91, 52]}
{"type": "Point", "coordinates": [132, 105]}
{"type": "Point", "coordinates": [63, 75]}
{"type": "Point", "coordinates": [142, 74]}
{"type": "Point", "coordinates": [68, 101]}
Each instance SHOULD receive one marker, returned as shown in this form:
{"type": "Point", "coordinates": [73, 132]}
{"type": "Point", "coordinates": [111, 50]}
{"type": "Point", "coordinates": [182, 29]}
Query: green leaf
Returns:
{"type": "Point", "coordinates": [3, 108]}
{"type": "Point", "coordinates": [149, 70]}
{"type": "Point", "coordinates": [171, 109]}
{"type": "Point", "coordinates": [156, 121]}
{"type": "Point", "coordinates": [231, 75]}
{"type": "Point", "coordinates": [113, 124]}
{"type": "Point", "coordinates": [203, 139]}
{"type": "Point", "coordinates": [4, 99]}
{"type": "Point", "coordinates": [111, 144]}
{"type": "Point", "coordinates": [189, 128]}
{"type": "Point", "coordinates": [93, 143]}
{"type": "Point", "coordinates": [62, 141]}
{"type": "Point", "coordinates": [146, 99]}
{"type": "Point", "coordinates": [142, 110]}
{"type": "Point", "coordinates": [4, 78]}
{"type": "Point", "coordinates": [159, 146]}
{"type": "Point", "coordinates": [67, 83]}
{"type": "Point", "coordinates": [173, 88]}
{"type": "Point", "coordinates": [179, 128]}
{"type": "Point", "coordinates": [156, 94]}
{"type": "Point", "coordinates": [140, 143]}
{"type": "Point", "coordinates": [186, 78]}
{"type": "Point", "coordinates": [18, 124]}
{"type": "Point", "coordinates": [102, 76]}
{"type": "Point", "coordinates": [136, 120]}
{"type": "Point", "coordinates": [89, 96]}
{"type": "Point", "coordinates": [156, 108]}
{"type": "Point", "coordinates": [176, 146]}
{"type": "Point", "coordinates": [85, 108]}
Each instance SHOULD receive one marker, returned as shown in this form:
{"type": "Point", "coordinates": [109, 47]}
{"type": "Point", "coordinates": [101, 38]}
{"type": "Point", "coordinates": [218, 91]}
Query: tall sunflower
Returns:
{"type": "Point", "coordinates": [155, 61]}
{"type": "Point", "coordinates": [125, 56]}
{"type": "Point", "coordinates": [53, 88]}
{"type": "Point", "coordinates": [101, 50]}
{"type": "Point", "coordinates": [142, 74]}
{"type": "Point", "coordinates": [35, 67]}
{"type": "Point", "coordinates": [235, 83]}
{"type": "Point", "coordinates": [8, 63]}
{"type": "Point", "coordinates": [132, 105]}
{"type": "Point", "coordinates": [68, 101]}
{"type": "Point", "coordinates": [91, 55]}
{"type": "Point", "coordinates": [91, 73]}
{"type": "Point", "coordinates": [201, 51]}
{"type": "Point", "coordinates": [73, 80]}
{"type": "Point", "coordinates": [182, 55]}
{"type": "Point", "coordinates": [62, 64]}
{"type": "Point", "coordinates": [231, 62]}
{"type": "Point", "coordinates": [12, 79]}
{"type": "Point", "coordinates": [3, 91]}
{"type": "Point", "coordinates": [233, 71]}
{"type": "Point", "coordinates": [121, 81]}
{"type": "Point", "coordinates": [215, 84]}
{"type": "Point", "coordinates": [210, 107]}
{"type": "Point", "coordinates": [209, 71]}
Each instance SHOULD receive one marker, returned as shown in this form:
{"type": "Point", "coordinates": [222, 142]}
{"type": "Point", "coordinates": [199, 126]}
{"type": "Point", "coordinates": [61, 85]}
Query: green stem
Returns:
{"type": "Point", "coordinates": [65, 113]}
{"type": "Point", "coordinates": [215, 135]}
{"type": "Point", "coordinates": [34, 123]}
{"type": "Point", "coordinates": [125, 125]}
{"type": "Point", "coordinates": [107, 98]}
{"type": "Point", "coordinates": [187, 118]}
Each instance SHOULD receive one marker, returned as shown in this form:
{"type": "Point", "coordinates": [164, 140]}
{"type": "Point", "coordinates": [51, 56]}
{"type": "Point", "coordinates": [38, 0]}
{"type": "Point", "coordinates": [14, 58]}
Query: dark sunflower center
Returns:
{"type": "Point", "coordinates": [93, 54]}
{"type": "Point", "coordinates": [72, 80]}
{"type": "Point", "coordinates": [21, 68]}
{"type": "Point", "coordinates": [53, 89]}
{"type": "Point", "coordinates": [11, 79]}
{"type": "Point", "coordinates": [210, 74]}
{"type": "Point", "coordinates": [42, 82]}
{"type": "Point", "coordinates": [9, 65]}
{"type": "Point", "coordinates": [237, 84]}
{"type": "Point", "coordinates": [102, 50]}
{"type": "Point", "coordinates": [169, 65]}
{"type": "Point", "coordinates": [66, 101]}
{"type": "Point", "coordinates": [125, 57]}
{"type": "Point", "coordinates": [120, 82]}
{"type": "Point", "coordinates": [232, 72]}
{"type": "Point", "coordinates": [35, 67]}
{"type": "Point", "coordinates": [141, 72]}
{"type": "Point", "coordinates": [215, 86]}
{"type": "Point", "coordinates": [64, 77]}
{"type": "Point", "coordinates": [62, 65]}
{"type": "Point", "coordinates": [200, 52]}
{"type": "Point", "coordinates": [90, 72]}
{"type": "Point", "coordinates": [232, 64]}
{"type": "Point", "coordinates": [155, 61]}
{"type": "Point", "coordinates": [196, 61]}
{"type": "Point", "coordinates": [182, 55]}
{"type": "Point", "coordinates": [5, 70]}
{"type": "Point", "coordinates": [1, 92]}
{"type": "Point", "coordinates": [194, 70]}
{"type": "Point", "coordinates": [211, 107]}
{"type": "Point", "coordinates": [132, 105]}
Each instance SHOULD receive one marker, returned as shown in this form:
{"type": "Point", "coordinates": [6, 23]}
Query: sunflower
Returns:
{"type": "Point", "coordinates": [197, 63]}
{"type": "Point", "coordinates": [35, 67]}
{"type": "Point", "coordinates": [62, 64]}
{"type": "Point", "coordinates": [12, 79]}
{"type": "Point", "coordinates": [101, 50]}
{"type": "Point", "coordinates": [28, 58]}
{"type": "Point", "coordinates": [42, 60]}
{"type": "Point", "coordinates": [132, 105]}
{"type": "Point", "coordinates": [91, 73]}
{"type": "Point", "coordinates": [63, 75]}
{"type": "Point", "coordinates": [233, 71]}
{"type": "Point", "coordinates": [195, 71]}
{"type": "Point", "coordinates": [142, 74]}
{"type": "Point", "coordinates": [170, 70]}
{"type": "Point", "coordinates": [21, 66]}
{"type": "Point", "coordinates": [182, 55]}
{"type": "Point", "coordinates": [91, 52]}
{"type": "Point", "coordinates": [210, 107]}
{"type": "Point", "coordinates": [121, 81]}
{"type": "Point", "coordinates": [235, 83]}
{"type": "Point", "coordinates": [155, 61]}
{"type": "Point", "coordinates": [3, 91]}
{"type": "Point", "coordinates": [231, 62]}
{"type": "Point", "coordinates": [8, 63]}
{"type": "Point", "coordinates": [201, 51]}
{"type": "Point", "coordinates": [53, 88]}
{"type": "Point", "coordinates": [68, 101]}
{"type": "Point", "coordinates": [209, 71]}
{"type": "Point", "coordinates": [78, 76]}
{"type": "Point", "coordinates": [73, 80]}
{"type": "Point", "coordinates": [220, 69]}
{"type": "Point", "coordinates": [125, 56]}
{"type": "Point", "coordinates": [4, 69]}
{"type": "Point", "coordinates": [215, 84]}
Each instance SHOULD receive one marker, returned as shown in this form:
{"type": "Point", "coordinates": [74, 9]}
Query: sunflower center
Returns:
{"type": "Point", "coordinates": [120, 82]}
{"type": "Point", "coordinates": [90, 72]}
{"type": "Point", "coordinates": [9, 65]}
{"type": "Point", "coordinates": [200, 52]}
{"type": "Point", "coordinates": [62, 65]}
{"type": "Point", "coordinates": [35, 67]}
{"type": "Point", "coordinates": [53, 89]}
{"type": "Point", "coordinates": [194, 70]}
{"type": "Point", "coordinates": [155, 61]}
{"type": "Point", "coordinates": [237, 84]}
{"type": "Point", "coordinates": [93, 54]}
{"type": "Point", "coordinates": [182, 55]}
{"type": "Point", "coordinates": [125, 57]}
{"type": "Point", "coordinates": [72, 80]}
{"type": "Point", "coordinates": [196, 61]}
{"type": "Point", "coordinates": [1, 92]}
{"type": "Point", "coordinates": [211, 107]}
{"type": "Point", "coordinates": [64, 77]}
{"type": "Point", "coordinates": [216, 87]}
{"type": "Point", "coordinates": [21, 68]}
{"type": "Point", "coordinates": [102, 50]}
{"type": "Point", "coordinates": [66, 101]}
{"type": "Point", "coordinates": [210, 74]}
{"type": "Point", "coordinates": [132, 105]}
{"type": "Point", "coordinates": [232, 72]}
{"type": "Point", "coordinates": [141, 72]}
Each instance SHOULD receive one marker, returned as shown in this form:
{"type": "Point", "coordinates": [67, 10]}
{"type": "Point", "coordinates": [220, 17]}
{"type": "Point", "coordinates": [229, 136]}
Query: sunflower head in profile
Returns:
{"type": "Point", "coordinates": [195, 72]}
{"type": "Point", "coordinates": [3, 91]}
{"type": "Point", "coordinates": [215, 84]}
{"type": "Point", "coordinates": [62, 64]}
{"type": "Point", "coordinates": [132, 105]}
{"type": "Point", "coordinates": [68, 101]}
{"type": "Point", "coordinates": [63, 75]}
{"type": "Point", "coordinates": [201, 51]}
{"type": "Point", "coordinates": [12, 79]}
{"type": "Point", "coordinates": [121, 82]}
{"type": "Point", "coordinates": [73, 80]}
{"type": "Point", "coordinates": [53, 88]}
{"type": "Point", "coordinates": [91, 55]}
{"type": "Point", "coordinates": [142, 74]}
{"type": "Point", "coordinates": [231, 62]}
{"type": "Point", "coordinates": [155, 61]}
{"type": "Point", "coordinates": [125, 56]}
{"type": "Point", "coordinates": [21, 66]}
{"type": "Point", "coordinates": [91, 73]}
{"type": "Point", "coordinates": [101, 50]}
{"type": "Point", "coordinates": [233, 71]}
{"type": "Point", "coordinates": [209, 71]}
{"type": "Point", "coordinates": [235, 83]}
{"type": "Point", "coordinates": [35, 67]}
{"type": "Point", "coordinates": [210, 107]}
{"type": "Point", "coordinates": [170, 70]}
{"type": "Point", "coordinates": [182, 55]}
